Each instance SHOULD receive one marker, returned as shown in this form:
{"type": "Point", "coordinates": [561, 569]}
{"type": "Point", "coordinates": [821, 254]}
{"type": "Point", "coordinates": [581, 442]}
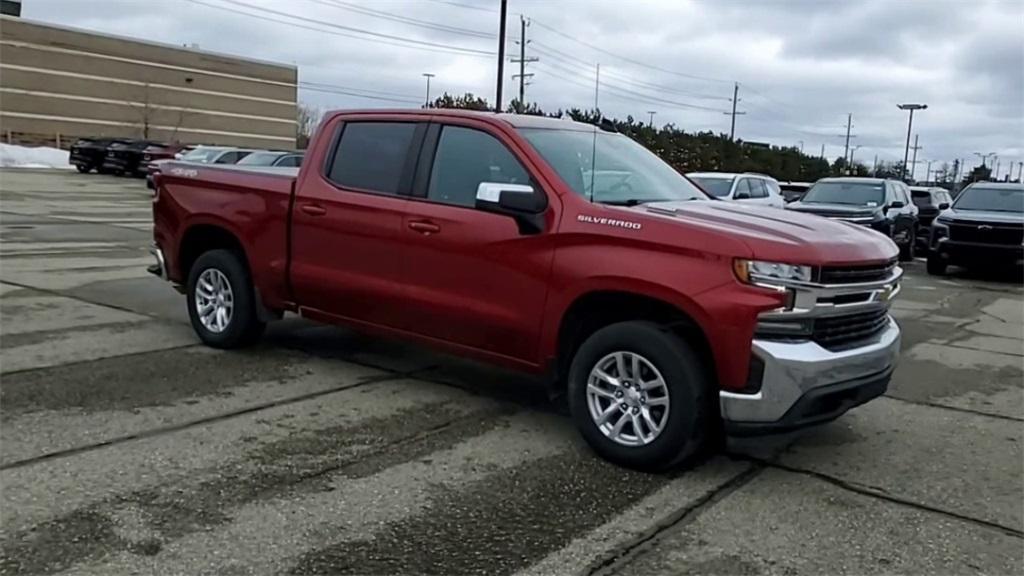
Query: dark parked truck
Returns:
{"type": "Point", "coordinates": [877, 203]}
{"type": "Point", "coordinates": [983, 227]}
{"type": "Point", "coordinates": [126, 157]}
{"type": "Point", "coordinates": [552, 247]}
{"type": "Point", "coordinates": [88, 153]}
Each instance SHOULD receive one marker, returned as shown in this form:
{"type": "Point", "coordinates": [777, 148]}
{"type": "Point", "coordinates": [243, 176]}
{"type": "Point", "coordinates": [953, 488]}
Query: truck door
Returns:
{"type": "Point", "coordinates": [472, 277]}
{"type": "Point", "coordinates": [347, 217]}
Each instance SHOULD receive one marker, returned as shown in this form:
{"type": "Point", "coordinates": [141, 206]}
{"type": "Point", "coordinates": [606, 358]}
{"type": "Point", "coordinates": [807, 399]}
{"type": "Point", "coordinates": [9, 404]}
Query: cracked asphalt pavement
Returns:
{"type": "Point", "coordinates": [128, 448]}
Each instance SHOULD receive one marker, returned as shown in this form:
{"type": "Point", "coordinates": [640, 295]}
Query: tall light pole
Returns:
{"type": "Point", "coordinates": [849, 168]}
{"type": "Point", "coordinates": [650, 123]}
{"type": "Point", "coordinates": [801, 146]}
{"type": "Point", "coordinates": [910, 125]}
{"type": "Point", "coordinates": [428, 76]}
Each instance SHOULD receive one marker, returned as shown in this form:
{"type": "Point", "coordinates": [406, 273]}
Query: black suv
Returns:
{"type": "Point", "coordinates": [985, 225]}
{"type": "Point", "coordinates": [125, 157]}
{"type": "Point", "coordinates": [929, 201]}
{"type": "Point", "coordinates": [883, 205]}
{"type": "Point", "coordinates": [88, 153]}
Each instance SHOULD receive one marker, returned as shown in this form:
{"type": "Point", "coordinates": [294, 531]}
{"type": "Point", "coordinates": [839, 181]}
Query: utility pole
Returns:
{"type": "Point", "coordinates": [428, 76]}
{"type": "Point", "coordinates": [801, 146]}
{"type": "Point", "coordinates": [995, 173]}
{"type": "Point", "coordinates": [597, 86]}
{"type": "Point", "coordinates": [523, 60]}
{"type": "Point", "coordinates": [501, 55]}
{"type": "Point", "coordinates": [650, 123]}
{"type": "Point", "coordinates": [874, 166]}
{"type": "Point", "coordinates": [910, 125]}
{"type": "Point", "coordinates": [928, 174]}
{"type": "Point", "coordinates": [913, 170]}
{"type": "Point", "coordinates": [849, 124]}
{"type": "Point", "coordinates": [734, 113]}
{"type": "Point", "coordinates": [822, 151]}
{"type": "Point", "coordinates": [849, 166]}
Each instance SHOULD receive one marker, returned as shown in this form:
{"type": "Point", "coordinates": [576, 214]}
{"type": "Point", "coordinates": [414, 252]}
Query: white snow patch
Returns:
{"type": "Point", "coordinates": [12, 156]}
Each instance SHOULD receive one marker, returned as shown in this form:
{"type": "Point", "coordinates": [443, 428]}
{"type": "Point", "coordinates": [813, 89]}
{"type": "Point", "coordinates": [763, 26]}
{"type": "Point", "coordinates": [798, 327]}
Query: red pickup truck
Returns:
{"type": "Point", "coordinates": [551, 246]}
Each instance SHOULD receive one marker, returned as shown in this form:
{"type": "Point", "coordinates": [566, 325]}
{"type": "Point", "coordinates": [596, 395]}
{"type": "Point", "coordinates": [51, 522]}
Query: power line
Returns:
{"type": "Point", "coordinates": [373, 36]}
{"type": "Point", "coordinates": [631, 93]}
{"type": "Point", "coordinates": [570, 59]}
{"type": "Point", "coordinates": [356, 95]}
{"type": "Point", "coordinates": [404, 19]}
{"type": "Point", "coordinates": [325, 85]}
{"type": "Point", "coordinates": [467, 6]}
{"type": "Point", "coordinates": [627, 59]}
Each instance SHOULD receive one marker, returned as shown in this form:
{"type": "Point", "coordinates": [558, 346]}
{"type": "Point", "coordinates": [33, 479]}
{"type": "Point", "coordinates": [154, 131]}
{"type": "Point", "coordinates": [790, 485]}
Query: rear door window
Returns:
{"type": "Point", "coordinates": [372, 156]}
{"type": "Point", "coordinates": [758, 189]}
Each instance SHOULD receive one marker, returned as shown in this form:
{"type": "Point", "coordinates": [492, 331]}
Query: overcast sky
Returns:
{"type": "Point", "coordinates": [802, 65]}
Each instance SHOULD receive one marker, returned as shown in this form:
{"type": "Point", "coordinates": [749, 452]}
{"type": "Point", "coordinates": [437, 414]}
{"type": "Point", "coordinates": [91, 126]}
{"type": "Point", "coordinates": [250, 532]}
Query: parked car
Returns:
{"type": "Point", "coordinates": [126, 158]}
{"type": "Point", "coordinates": [985, 225]}
{"type": "Point", "coordinates": [747, 187]}
{"type": "Point", "coordinates": [88, 153]}
{"type": "Point", "coordinates": [272, 158]}
{"type": "Point", "coordinates": [929, 201]}
{"type": "Point", "coordinates": [158, 151]}
{"type": "Point", "coordinates": [793, 191]}
{"type": "Point", "coordinates": [880, 204]}
{"type": "Point", "coordinates": [662, 314]}
{"type": "Point", "coordinates": [216, 155]}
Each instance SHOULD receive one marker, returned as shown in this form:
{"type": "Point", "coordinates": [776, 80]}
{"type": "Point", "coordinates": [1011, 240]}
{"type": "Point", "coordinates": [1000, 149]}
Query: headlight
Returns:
{"type": "Point", "coordinates": [754, 271]}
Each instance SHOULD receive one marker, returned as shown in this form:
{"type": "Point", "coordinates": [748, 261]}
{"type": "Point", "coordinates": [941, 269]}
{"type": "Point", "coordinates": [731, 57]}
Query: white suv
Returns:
{"type": "Point", "coordinates": [747, 187]}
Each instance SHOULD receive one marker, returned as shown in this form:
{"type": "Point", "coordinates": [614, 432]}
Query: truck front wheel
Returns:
{"type": "Point", "coordinates": [221, 302]}
{"type": "Point", "coordinates": [641, 396]}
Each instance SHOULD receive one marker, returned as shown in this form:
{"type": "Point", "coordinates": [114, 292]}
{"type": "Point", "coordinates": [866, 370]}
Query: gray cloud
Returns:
{"type": "Point", "coordinates": [801, 64]}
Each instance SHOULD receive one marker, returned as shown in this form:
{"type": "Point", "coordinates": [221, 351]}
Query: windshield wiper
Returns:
{"type": "Point", "coordinates": [638, 201]}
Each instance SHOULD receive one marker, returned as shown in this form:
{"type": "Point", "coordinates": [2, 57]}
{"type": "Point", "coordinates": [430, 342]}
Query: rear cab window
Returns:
{"type": "Point", "coordinates": [373, 156]}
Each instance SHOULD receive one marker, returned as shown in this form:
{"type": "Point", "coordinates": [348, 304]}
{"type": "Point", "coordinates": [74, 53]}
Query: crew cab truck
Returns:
{"type": "Point", "coordinates": [549, 246]}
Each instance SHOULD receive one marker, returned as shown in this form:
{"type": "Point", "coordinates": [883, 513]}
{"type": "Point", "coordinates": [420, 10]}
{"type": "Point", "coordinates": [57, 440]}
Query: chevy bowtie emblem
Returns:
{"type": "Point", "coordinates": [984, 227]}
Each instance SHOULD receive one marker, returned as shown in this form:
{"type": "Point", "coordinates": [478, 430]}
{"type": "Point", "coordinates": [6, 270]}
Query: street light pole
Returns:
{"type": "Point", "coordinates": [801, 146]}
{"type": "Point", "coordinates": [910, 125]}
{"type": "Point", "coordinates": [501, 55]}
{"type": "Point", "coordinates": [428, 76]}
{"type": "Point", "coordinates": [650, 123]}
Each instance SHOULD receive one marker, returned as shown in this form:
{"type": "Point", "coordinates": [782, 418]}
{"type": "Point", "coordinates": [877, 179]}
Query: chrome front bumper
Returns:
{"type": "Point", "coordinates": [805, 384]}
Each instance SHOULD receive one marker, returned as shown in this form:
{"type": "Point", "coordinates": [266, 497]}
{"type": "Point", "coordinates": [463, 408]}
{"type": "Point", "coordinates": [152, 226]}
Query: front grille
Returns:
{"type": "Point", "coordinates": [987, 233]}
{"type": "Point", "coordinates": [854, 274]}
{"type": "Point", "coordinates": [837, 332]}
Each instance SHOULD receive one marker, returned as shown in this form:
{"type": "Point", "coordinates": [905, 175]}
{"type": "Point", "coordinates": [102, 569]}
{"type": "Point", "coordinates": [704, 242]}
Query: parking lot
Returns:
{"type": "Point", "coordinates": [128, 448]}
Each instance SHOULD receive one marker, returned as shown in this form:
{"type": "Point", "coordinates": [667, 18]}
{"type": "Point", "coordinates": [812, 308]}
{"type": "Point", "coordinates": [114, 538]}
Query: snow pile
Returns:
{"type": "Point", "coordinates": [12, 156]}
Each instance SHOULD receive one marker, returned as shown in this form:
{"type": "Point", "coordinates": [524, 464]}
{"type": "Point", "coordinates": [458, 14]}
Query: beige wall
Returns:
{"type": "Point", "coordinates": [74, 83]}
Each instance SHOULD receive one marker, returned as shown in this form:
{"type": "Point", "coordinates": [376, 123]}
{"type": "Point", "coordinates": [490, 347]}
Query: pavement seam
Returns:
{"type": "Point", "coordinates": [681, 517]}
{"type": "Point", "coordinates": [955, 409]}
{"type": "Point", "coordinates": [152, 432]}
{"type": "Point", "coordinates": [876, 493]}
{"type": "Point", "coordinates": [61, 294]}
{"type": "Point", "coordinates": [91, 360]}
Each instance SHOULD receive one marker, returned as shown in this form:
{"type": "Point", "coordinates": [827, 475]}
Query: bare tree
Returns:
{"type": "Point", "coordinates": [145, 111]}
{"type": "Point", "coordinates": [307, 117]}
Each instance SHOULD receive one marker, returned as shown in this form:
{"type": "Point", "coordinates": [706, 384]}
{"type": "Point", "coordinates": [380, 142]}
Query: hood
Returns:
{"type": "Point", "coordinates": [780, 235]}
{"type": "Point", "coordinates": [982, 216]}
{"type": "Point", "coordinates": [834, 210]}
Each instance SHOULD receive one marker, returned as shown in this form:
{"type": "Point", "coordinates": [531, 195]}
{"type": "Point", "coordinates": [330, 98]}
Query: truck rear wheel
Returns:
{"type": "Point", "coordinates": [641, 396]}
{"type": "Point", "coordinates": [221, 301]}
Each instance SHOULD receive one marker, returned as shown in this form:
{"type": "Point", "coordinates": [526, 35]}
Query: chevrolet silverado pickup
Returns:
{"type": "Point", "coordinates": [983, 227]}
{"type": "Point", "coordinates": [666, 317]}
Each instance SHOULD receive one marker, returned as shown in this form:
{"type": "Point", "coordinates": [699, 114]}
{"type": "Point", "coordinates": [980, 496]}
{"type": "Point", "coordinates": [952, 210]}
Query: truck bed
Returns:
{"type": "Point", "coordinates": [252, 203]}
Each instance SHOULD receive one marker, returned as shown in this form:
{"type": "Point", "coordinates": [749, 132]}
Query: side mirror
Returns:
{"type": "Point", "coordinates": [943, 205]}
{"type": "Point", "coordinates": [741, 196]}
{"type": "Point", "coordinates": [896, 204]}
{"type": "Point", "coordinates": [519, 201]}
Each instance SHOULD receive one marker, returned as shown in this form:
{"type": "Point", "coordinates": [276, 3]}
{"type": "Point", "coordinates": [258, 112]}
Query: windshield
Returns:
{"type": "Point", "coordinates": [202, 155]}
{"type": "Point", "coordinates": [852, 193]}
{"type": "Point", "coordinates": [717, 187]}
{"type": "Point", "coordinates": [259, 159]}
{"type": "Point", "coordinates": [610, 168]}
{"type": "Point", "coordinates": [995, 199]}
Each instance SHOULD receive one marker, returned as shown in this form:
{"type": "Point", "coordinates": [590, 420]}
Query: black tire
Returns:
{"type": "Point", "coordinates": [907, 250]}
{"type": "Point", "coordinates": [244, 327]}
{"type": "Point", "coordinates": [936, 265]}
{"type": "Point", "coordinates": [83, 168]}
{"type": "Point", "coordinates": [692, 416]}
